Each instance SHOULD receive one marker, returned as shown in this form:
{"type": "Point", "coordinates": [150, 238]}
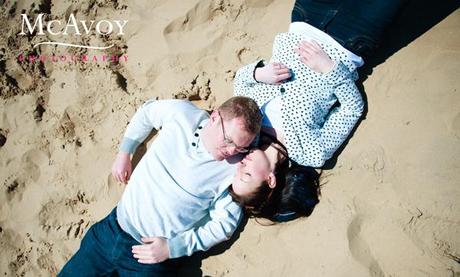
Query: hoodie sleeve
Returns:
{"type": "Point", "coordinates": [339, 122]}
{"type": "Point", "coordinates": [151, 115]}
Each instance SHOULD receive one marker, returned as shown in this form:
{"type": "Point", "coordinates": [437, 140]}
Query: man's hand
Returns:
{"type": "Point", "coordinates": [155, 250]}
{"type": "Point", "coordinates": [121, 167]}
{"type": "Point", "coordinates": [272, 73]}
{"type": "Point", "coordinates": [313, 56]}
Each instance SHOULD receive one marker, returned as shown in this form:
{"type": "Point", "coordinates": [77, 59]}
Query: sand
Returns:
{"type": "Point", "coordinates": [389, 207]}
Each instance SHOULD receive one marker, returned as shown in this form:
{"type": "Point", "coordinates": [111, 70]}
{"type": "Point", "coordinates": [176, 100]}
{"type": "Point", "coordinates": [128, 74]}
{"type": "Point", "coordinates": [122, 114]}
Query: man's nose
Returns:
{"type": "Point", "coordinates": [231, 150]}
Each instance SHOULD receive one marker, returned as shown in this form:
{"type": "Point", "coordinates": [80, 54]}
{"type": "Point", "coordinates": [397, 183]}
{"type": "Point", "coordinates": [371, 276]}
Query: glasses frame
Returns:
{"type": "Point", "coordinates": [228, 141]}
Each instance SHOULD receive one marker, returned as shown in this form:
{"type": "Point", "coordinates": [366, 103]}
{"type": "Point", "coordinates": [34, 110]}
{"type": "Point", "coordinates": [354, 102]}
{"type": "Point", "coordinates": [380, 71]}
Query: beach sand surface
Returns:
{"type": "Point", "coordinates": [389, 207]}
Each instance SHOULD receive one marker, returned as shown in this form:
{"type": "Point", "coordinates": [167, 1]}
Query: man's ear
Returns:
{"type": "Point", "coordinates": [271, 180]}
{"type": "Point", "coordinates": [214, 116]}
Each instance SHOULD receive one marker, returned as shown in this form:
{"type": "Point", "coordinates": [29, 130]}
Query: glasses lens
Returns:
{"type": "Point", "coordinates": [243, 150]}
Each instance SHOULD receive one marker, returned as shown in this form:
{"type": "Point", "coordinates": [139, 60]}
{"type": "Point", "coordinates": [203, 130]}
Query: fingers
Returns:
{"type": "Point", "coordinates": [311, 45]}
{"type": "Point", "coordinates": [148, 261]}
{"type": "Point", "coordinates": [304, 60]}
{"type": "Point", "coordinates": [120, 177]}
{"type": "Point", "coordinates": [146, 258]}
{"type": "Point", "coordinates": [115, 175]}
{"type": "Point", "coordinates": [305, 51]}
{"type": "Point", "coordinates": [146, 253]}
{"type": "Point", "coordinates": [142, 251]}
{"type": "Point", "coordinates": [278, 72]}
{"type": "Point", "coordinates": [121, 167]}
{"type": "Point", "coordinates": [301, 51]}
{"type": "Point", "coordinates": [316, 45]}
{"type": "Point", "coordinates": [278, 65]}
{"type": "Point", "coordinates": [124, 177]}
{"type": "Point", "coordinates": [282, 71]}
{"type": "Point", "coordinates": [282, 77]}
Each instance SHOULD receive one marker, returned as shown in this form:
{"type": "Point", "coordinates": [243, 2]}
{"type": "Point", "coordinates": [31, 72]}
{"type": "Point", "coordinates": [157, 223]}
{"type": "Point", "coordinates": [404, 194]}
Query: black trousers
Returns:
{"type": "Point", "coordinates": [358, 25]}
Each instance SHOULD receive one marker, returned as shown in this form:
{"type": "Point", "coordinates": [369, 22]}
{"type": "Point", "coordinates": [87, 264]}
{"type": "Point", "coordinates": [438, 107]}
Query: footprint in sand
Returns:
{"type": "Point", "coordinates": [32, 160]}
{"type": "Point", "coordinates": [245, 55]}
{"type": "Point", "coordinates": [374, 160]}
{"type": "Point", "coordinates": [198, 89]}
{"type": "Point", "coordinates": [2, 137]}
{"type": "Point", "coordinates": [75, 221]}
{"type": "Point", "coordinates": [93, 108]}
{"type": "Point", "coordinates": [66, 128]}
{"type": "Point", "coordinates": [15, 184]}
{"type": "Point", "coordinates": [359, 248]}
{"type": "Point", "coordinates": [39, 109]}
{"type": "Point", "coordinates": [201, 25]}
{"type": "Point", "coordinates": [19, 251]}
{"type": "Point", "coordinates": [15, 189]}
{"type": "Point", "coordinates": [45, 258]}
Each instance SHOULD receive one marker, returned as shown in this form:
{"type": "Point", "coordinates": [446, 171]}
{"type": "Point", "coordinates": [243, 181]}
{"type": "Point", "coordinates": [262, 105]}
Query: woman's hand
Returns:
{"type": "Point", "coordinates": [273, 73]}
{"type": "Point", "coordinates": [121, 167]}
{"type": "Point", "coordinates": [313, 56]}
{"type": "Point", "coordinates": [155, 250]}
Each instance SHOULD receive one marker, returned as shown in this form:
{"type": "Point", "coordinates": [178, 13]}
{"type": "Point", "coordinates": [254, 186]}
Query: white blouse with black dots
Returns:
{"type": "Point", "coordinates": [312, 129]}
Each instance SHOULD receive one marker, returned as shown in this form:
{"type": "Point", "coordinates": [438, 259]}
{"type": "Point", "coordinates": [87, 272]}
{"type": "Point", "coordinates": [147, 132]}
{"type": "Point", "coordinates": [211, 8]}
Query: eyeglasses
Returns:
{"type": "Point", "coordinates": [229, 142]}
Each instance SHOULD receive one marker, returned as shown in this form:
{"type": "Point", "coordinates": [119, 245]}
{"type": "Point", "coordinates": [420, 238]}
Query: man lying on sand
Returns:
{"type": "Point", "coordinates": [176, 201]}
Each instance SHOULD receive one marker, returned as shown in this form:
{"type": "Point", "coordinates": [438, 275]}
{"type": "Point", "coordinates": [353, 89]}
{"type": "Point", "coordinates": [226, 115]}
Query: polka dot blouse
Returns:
{"type": "Point", "coordinates": [312, 129]}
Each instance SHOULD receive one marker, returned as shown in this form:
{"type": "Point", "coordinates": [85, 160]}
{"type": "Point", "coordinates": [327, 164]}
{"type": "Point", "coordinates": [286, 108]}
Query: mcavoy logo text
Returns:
{"type": "Point", "coordinates": [57, 27]}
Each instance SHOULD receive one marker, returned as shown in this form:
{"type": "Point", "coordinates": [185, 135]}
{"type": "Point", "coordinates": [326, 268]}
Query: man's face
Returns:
{"type": "Point", "coordinates": [227, 137]}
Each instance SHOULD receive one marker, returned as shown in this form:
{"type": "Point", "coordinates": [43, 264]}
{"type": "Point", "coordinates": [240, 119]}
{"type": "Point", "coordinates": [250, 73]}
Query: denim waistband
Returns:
{"type": "Point", "coordinates": [114, 222]}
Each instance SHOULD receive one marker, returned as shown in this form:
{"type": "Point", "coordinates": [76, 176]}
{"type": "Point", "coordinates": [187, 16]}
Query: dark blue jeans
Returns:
{"type": "Point", "coordinates": [358, 25]}
{"type": "Point", "coordinates": [105, 250]}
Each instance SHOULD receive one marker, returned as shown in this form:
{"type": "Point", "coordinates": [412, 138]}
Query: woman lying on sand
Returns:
{"type": "Point", "coordinates": [312, 68]}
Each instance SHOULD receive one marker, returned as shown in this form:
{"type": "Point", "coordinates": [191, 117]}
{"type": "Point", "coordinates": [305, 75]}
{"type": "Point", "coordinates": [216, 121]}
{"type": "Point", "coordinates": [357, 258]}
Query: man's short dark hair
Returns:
{"type": "Point", "coordinates": [244, 108]}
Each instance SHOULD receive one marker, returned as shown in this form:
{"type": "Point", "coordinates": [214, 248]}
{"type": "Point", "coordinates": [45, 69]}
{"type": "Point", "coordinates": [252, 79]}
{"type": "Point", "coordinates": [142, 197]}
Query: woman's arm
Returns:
{"type": "Point", "coordinates": [245, 81]}
{"type": "Point", "coordinates": [340, 121]}
{"type": "Point", "coordinates": [247, 77]}
{"type": "Point", "coordinates": [224, 217]}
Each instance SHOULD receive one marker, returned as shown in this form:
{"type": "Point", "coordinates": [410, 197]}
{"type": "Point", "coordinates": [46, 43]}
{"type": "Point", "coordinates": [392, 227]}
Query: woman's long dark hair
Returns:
{"type": "Point", "coordinates": [295, 195]}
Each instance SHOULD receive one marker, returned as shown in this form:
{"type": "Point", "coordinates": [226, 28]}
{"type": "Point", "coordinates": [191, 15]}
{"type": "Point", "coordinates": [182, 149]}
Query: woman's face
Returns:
{"type": "Point", "coordinates": [252, 171]}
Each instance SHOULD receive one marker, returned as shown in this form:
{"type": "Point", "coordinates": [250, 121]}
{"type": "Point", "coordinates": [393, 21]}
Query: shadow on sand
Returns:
{"type": "Point", "coordinates": [414, 19]}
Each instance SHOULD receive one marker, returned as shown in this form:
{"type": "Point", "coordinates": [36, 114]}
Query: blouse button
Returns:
{"type": "Point", "coordinates": [282, 90]}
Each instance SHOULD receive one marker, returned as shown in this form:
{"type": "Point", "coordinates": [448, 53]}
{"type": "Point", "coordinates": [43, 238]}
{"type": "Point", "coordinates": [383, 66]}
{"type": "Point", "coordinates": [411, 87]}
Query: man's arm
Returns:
{"type": "Point", "coordinates": [225, 216]}
{"type": "Point", "coordinates": [151, 115]}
